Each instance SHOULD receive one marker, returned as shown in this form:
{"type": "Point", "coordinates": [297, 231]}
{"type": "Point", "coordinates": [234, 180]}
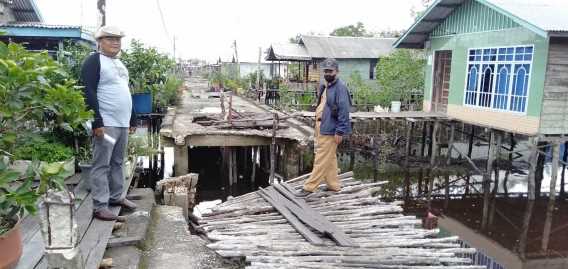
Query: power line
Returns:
{"type": "Point", "coordinates": [162, 18]}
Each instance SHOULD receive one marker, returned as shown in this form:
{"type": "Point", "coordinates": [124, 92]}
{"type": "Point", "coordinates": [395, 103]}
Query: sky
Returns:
{"type": "Point", "coordinates": [207, 29]}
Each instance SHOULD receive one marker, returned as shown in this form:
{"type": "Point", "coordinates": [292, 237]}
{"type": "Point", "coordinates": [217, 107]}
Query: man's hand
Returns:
{"type": "Point", "coordinates": [338, 139]}
{"type": "Point", "coordinates": [132, 130]}
{"type": "Point", "coordinates": [99, 132]}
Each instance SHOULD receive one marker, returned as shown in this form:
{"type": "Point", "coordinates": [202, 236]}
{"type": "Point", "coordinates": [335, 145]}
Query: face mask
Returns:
{"type": "Point", "coordinates": [329, 78]}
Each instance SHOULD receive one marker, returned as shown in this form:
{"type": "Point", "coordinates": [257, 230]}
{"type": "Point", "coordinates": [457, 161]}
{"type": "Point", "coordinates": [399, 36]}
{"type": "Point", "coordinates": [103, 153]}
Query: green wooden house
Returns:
{"type": "Point", "coordinates": [502, 64]}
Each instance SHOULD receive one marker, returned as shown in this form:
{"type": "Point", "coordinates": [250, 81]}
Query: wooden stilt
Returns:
{"type": "Point", "coordinates": [487, 179]}
{"type": "Point", "coordinates": [424, 133]}
{"type": "Point", "coordinates": [406, 188]}
{"type": "Point", "coordinates": [273, 149]}
{"type": "Point", "coordinates": [253, 173]}
{"type": "Point", "coordinates": [448, 163]}
{"type": "Point", "coordinates": [496, 183]}
{"type": "Point", "coordinates": [433, 164]}
{"type": "Point", "coordinates": [532, 167]}
{"type": "Point", "coordinates": [564, 159]}
{"type": "Point", "coordinates": [470, 144]}
{"type": "Point", "coordinates": [539, 172]}
{"type": "Point", "coordinates": [525, 229]}
{"type": "Point", "coordinates": [551, 196]}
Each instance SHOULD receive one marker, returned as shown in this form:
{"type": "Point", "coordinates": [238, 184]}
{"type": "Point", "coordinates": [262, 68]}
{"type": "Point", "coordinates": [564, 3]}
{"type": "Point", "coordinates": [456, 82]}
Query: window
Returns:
{"type": "Point", "coordinates": [372, 68]}
{"type": "Point", "coordinates": [498, 78]}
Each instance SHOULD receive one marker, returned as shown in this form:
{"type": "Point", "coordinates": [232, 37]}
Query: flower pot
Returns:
{"type": "Point", "coordinates": [11, 247]}
{"type": "Point", "coordinates": [395, 106]}
{"type": "Point", "coordinates": [142, 103]}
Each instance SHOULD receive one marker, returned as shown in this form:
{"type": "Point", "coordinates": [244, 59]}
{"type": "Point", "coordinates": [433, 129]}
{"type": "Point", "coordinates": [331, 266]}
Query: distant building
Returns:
{"type": "Point", "coordinates": [19, 11]}
{"type": "Point", "coordinates": [21, 22]}
{"type": "Point", "coordinates": [354, 54]}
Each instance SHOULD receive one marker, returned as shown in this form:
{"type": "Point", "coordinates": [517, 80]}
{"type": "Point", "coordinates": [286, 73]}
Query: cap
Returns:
{"type": "Point", "coordinates": [329, 63]}
{"type": "Point", "coordinates": [109, 31]}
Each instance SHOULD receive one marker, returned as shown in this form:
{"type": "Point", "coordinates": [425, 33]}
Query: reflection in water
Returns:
{"type": "Point", "coordinates": [533, 230]}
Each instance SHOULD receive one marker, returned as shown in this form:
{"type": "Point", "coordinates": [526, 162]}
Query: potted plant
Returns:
{"type": "Point", "coordinates": [16, 199]}
{"type": "Point", "coordinates": [141, 96]}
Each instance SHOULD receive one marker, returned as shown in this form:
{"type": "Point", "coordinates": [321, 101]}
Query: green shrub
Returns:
{"type": "Point", "coordinates": [42, 149]}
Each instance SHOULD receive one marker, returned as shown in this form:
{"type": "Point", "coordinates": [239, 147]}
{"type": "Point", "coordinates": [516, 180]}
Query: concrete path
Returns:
{"type": "Point", "coordinates": [170, 244]}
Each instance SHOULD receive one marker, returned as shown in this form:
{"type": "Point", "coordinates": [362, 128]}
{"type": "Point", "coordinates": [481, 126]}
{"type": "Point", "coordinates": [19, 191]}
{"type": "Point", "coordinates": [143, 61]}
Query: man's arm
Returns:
{"type": "Point", "coordinates": [343, 104]}
{"type": "Point", "coordinates": [90, 74]}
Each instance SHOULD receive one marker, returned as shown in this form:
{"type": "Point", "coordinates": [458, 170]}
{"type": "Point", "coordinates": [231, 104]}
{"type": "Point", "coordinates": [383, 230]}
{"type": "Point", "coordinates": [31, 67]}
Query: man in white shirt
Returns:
{"type": "Point", "coordinates": [107, 93]}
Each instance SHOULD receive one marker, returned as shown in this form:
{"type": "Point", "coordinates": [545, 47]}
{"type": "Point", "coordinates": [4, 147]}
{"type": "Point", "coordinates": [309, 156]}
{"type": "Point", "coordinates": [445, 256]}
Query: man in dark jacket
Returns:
{"type": "Point", "coordinates": [332, 124]}
{"type": "Point", "coordinates": [107, 93]}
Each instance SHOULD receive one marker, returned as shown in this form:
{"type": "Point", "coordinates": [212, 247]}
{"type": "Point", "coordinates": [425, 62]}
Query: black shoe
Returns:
{"type": "Point", "coordinates": [303, 193]}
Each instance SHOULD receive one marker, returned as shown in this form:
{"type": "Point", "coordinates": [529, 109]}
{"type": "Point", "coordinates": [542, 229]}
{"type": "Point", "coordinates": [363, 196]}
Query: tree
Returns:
{"type": "Point", "coordinates": [356, 30]}
{"type": "Point", "coordinates": [400, 74]}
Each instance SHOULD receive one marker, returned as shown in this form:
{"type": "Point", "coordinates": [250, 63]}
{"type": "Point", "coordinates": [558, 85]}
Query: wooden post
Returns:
{"type": "Point", "coordinates": [487, 179]}
{"type": "Point", "coordinates": [564, 159]}
{"type": "Point", "coordinates": [273, 148]}
{"type": "Point", "coordinates": [533, 157]}
{"type": "Point", "coordinates": [181, 160]}
{"type": "Point", "coordinates": [470, 145]}
{"type": "Point", "coordinates": [539, 172]}
{"type": "Point", "coordinates": [525, 229]}
{"type": "Point", "coordinates": [406, 188]}
{"type": "Point", "coordinates": [448, 163]}
{"type": "Point", "coordinates": [551, 195]}
{"type": "Point", "coordinates": [496, 182]}
{"type": "Point", "coordinates": [253, 175]}
{"type": "Point", "coordinates": [424, 133]}
{"type": "Point", "coordinates": [230, 169]}
{"type": "Point", "coordinates": [433, 163]}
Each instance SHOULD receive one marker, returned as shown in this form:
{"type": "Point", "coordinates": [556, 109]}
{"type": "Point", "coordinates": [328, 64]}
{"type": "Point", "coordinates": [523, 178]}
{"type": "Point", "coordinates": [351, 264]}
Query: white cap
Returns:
{"type": "Point", "coordinates": [107, 31]}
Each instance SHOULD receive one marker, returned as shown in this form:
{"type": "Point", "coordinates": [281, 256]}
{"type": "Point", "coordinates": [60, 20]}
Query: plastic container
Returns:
{"type": "Point", "coordinates": [142, 103]}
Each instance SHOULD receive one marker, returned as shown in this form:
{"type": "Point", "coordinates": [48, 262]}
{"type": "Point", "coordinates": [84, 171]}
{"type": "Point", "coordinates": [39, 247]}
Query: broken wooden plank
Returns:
{"type": "Point", "coordinates": [301, 228]}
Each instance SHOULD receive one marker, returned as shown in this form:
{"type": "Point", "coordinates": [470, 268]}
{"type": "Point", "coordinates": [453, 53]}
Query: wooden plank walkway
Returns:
{"type": "Point", "coordinates": [248, 226]}
{"type": "Point", "coordinates": [413, 115]}
{"type": "Point", "coordinates": [94, 233]}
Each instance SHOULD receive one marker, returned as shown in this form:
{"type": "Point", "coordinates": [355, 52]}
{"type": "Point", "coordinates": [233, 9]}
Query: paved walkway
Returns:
{"type": "Point", "coordinates": [170, 244]}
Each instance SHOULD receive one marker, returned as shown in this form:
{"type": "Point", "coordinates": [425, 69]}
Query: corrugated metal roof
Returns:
{"type": "Point", "coordinates": [46, 30]}
{"type": "Point", "coordinates": [26, 11]}
{"type": "Point", "coordinates": [347, 47]}
{"type": "Point", "coordinates": [287, 52]}
{"type": "Point", "coordinates": [40, 25]}
{"type": "Point", "coordinates": [548, 15]}
{"type": "Point", "coordinates": [540, 16]}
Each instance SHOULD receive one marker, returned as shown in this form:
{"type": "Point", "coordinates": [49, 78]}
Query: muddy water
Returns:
{"type": "Point", "coordinates": [514, 223]}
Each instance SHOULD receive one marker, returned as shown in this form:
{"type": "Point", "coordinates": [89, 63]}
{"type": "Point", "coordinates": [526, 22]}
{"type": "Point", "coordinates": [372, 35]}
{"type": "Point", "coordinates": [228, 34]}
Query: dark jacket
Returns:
{"type": "Point", "coordinates": [337, 96]}
{"type": "Point", "coordinates": [90, 76]}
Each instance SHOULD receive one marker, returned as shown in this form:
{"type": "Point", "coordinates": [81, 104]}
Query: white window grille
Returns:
{"type": "Point", "coordinates": [498, 78]}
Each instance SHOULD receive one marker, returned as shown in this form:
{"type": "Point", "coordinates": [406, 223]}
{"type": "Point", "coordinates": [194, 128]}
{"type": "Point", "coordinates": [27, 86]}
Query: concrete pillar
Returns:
{"type": "Point", "coordinates": [181, 160]}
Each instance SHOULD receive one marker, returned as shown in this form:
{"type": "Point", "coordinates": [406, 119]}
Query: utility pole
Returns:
{"type": "Point", "coordinates": [101, 7]}
{"type": "Point", "coordinates": [174, 47]}
{"type": "Point", "coordinates": [237, 59]}
{"type": "Point", "coordinates": [258, 72]}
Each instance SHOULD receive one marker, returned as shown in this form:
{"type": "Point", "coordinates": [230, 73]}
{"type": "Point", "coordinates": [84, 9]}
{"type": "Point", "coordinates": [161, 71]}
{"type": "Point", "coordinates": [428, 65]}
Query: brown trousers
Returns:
{"type": "Point", "coordinates": [325, 163]}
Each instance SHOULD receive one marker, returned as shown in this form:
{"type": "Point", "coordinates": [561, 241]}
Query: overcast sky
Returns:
{"type": "Point", "coordinates": [206, 29]}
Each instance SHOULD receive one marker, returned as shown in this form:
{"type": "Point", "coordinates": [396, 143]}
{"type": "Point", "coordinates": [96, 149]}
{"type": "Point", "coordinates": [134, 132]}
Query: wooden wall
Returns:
{"type": "Point", "coordinates": [554, 116]}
